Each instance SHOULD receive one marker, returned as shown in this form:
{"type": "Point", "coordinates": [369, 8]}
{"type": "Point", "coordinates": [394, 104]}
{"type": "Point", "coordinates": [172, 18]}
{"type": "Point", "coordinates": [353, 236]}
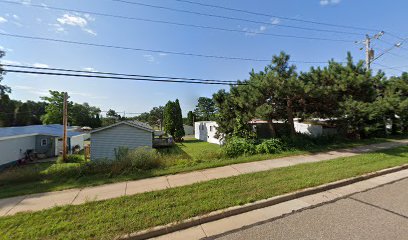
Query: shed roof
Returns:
{"type": "Point", "coordinates": [51, 130]}
{"type": "Point", "coordinates": [135, 124]}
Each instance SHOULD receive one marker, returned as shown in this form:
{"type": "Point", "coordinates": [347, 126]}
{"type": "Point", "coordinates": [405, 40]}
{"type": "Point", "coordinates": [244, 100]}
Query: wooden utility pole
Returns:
{"type": "Point", "coordinates": [368, 51]}
{"type": "Point", "coordinates": [65, 123]}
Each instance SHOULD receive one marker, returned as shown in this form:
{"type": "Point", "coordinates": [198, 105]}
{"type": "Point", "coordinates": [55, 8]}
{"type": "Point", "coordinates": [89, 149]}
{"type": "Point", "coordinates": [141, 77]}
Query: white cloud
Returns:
{"type": "Point", "coordinates": [11, 62]}
{"type": "Point", "coordinates": [58, 28]}
{"type": "Point", "coordinates": [329, 2]}
{"type": "Point", "coordinates": [90, 69]}
{"type": "Point", "coordinates": [162, 54]}
{"type": "Point", "coordinates": [74, 20]}
{"type": "Point", "coordinates": [149, 58]}
{"type": "Point", "coordinates": [254, 31]}
{"type": "Point", "coordinates": [275, 21]}
{"type": "Point", "coordinates": [41, 65]}
{"type": "Point", "coordinates": [14, 18]}
{"type": "Point", "coordinates": [26, 2]}
{"type": "Point", "coordinates": [5, 49]}
{"type": "Point", "coordinates": [260, 29]}
{"type": "Point", "coordinates": [90, 31]}
{"type": "Point", "coordinates": [2, 20]}
{"type": "Point", "coordinates": [89, 17]}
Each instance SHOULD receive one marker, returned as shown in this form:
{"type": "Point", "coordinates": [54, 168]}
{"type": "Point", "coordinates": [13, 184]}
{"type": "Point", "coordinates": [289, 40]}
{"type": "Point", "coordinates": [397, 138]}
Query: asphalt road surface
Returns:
{"type": "Point", "coordinates": [380, 213]}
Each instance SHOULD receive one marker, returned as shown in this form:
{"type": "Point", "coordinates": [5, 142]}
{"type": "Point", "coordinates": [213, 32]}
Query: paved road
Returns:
{"type": "Point", "coordinates": [381, 213]}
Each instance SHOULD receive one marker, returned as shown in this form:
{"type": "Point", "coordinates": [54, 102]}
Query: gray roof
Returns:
{"type": "Point", "coordinates": [51, 130]}
{"type": "Point", "coordinates": [135, 124]}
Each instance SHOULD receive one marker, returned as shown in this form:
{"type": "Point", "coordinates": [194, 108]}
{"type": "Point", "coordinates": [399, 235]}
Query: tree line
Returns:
{"type": "Point", "coordinates": [359, 102]}
{"type": "Point", "coordinates": [49, 111]}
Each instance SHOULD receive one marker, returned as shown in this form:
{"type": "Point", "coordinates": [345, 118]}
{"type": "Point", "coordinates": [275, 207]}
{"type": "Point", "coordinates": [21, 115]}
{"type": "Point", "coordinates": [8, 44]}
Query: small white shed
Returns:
{"type": "Point", "coordinates": [205, 131]}
{"type": "Point", "coordinates": [132, 135]}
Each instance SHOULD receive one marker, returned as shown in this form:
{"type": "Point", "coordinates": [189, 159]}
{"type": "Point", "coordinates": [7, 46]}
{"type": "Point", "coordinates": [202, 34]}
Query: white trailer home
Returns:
{"type": "Point", "coordinates": [45, 140]}
{"type": "Point", "coordinates": [205, 131]}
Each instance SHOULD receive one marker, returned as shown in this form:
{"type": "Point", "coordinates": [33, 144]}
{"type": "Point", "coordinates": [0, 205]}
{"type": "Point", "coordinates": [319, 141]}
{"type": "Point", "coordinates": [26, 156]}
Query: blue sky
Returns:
{"type": "Point", "coordinates": [142, 96]}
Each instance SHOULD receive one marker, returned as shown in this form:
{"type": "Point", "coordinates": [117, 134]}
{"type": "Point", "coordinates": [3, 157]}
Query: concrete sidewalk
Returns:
{"type": "Point", "coordinates": [285, 221]}
{"type": "Point", "coordinates": [36, 202]}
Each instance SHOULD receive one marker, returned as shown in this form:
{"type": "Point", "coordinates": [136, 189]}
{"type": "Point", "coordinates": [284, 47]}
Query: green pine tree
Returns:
{"type": "Point", "coordinates": [168, 118]}
{"type": "Point", "coordinates": [178, 120]}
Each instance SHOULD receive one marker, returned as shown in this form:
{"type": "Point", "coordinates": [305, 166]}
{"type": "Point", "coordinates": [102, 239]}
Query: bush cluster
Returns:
{"type": "Point", "coordinates": [126, 160]}
{"type": "Point", "coordinates": [236, 146]}
{"type": "Point", "coordinates": [271, 146]}
{"type": "Point", "coordinates": [73, 158]}
{"type": "Point", "coordinates": [240, 146]}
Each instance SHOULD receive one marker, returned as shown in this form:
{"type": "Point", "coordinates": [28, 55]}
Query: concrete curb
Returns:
{"type": "Point", "coordinates": [216, 215]}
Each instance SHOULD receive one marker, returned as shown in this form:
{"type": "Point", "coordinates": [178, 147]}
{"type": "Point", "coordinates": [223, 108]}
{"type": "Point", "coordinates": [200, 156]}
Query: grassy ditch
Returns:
{"type": "Point", "coordinates": [184, 157]}
{"type": "Point", "coordinates": [110, 218]}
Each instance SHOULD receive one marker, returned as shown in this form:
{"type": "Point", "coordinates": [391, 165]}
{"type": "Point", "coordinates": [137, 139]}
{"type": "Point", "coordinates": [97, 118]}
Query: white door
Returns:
{"type": "Point", "coordinates": [58, 146]}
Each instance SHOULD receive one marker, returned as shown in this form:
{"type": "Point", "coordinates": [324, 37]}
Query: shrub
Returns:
{"type": "Point", "coordinates": [100, 166]}
{"type": "Point", "coordinates": [307, 142]}
{"type": "Point", "coordinates": [270, 146]}
{"type": "Point", "coordinates": [144, 158]}
{"type": "Point", "coordinates": [239, 146]}
{"type": "Point", "coordinates": [300, 141]}
{"type": "Point", "coordinates": [73, 158]}
{"type": "Point", "coordinates": [121, 153]}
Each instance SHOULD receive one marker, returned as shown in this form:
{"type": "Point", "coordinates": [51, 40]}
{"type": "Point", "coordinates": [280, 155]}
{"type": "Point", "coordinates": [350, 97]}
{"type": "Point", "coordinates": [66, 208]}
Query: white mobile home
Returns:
{"type": "Point", "coordinates": [205, 131]}
{"type": "Point", "coordinates": [106, 140]}
{"type": "Point", "coordinates": [44, 140]}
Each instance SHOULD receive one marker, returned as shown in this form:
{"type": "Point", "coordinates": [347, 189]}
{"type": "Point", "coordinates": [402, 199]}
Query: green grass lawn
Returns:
{"type": "Point", "coordinates": [111, 218]}
{"type": "Point", "coordinates": [187, 156]}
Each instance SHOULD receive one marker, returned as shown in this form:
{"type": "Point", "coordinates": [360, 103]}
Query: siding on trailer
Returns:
{"type": "Point", "coordinates": [13, 149]}
{"type": "Point", "coordinates": [45, 145]}
{"type": "Point", "coordinates": [104, 142]}
{"type": "Point", "coordinates": [205, 131]}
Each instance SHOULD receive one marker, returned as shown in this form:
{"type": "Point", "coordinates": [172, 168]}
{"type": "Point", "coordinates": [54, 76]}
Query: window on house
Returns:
{"type": "Point", "coordinates": [43, 142]}
{"type": "Point", "coordinates": [211, 128]}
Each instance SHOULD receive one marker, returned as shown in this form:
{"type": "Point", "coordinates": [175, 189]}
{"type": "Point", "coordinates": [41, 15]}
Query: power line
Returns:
{"type": "Point", "coordinates": [393, 44]}
{"type": "Point", "coordinates": [383, 53]}
{"type": "Point", "coordinates": [147, 50]}
{"type": "Point", "coordinates": [239, 10]}
{"type": "Point", "coordinates": [396, 36]}
{"type": "Point", "coordinates": [115, 74]}
{"type": "Point", "coordinates": [387, 67]}
{"type": "Point", "coordinates": [394, 54]}
{"type": "Point", "coordinates": [193, 25]}
{"type": "Point", "coordinates": [120, 78]}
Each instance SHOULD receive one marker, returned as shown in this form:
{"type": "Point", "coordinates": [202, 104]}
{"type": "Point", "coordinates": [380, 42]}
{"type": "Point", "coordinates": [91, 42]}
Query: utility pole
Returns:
{"type": "Point", "coordinates": [65, 123]}
{"type": "Point", "coordinates": [369, 52]}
